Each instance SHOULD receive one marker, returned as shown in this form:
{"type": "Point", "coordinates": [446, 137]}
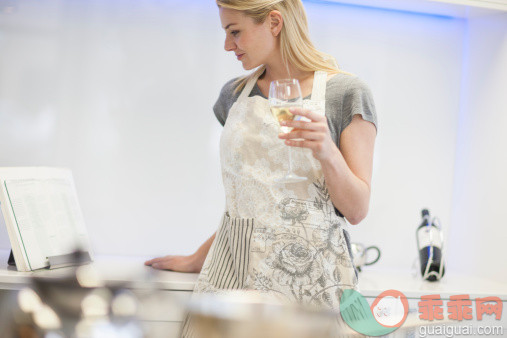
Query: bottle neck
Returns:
{"type": "Point", "coordinates": [425, 223]}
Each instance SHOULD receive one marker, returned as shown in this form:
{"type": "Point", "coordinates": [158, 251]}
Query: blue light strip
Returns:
{"type": "Point", "coordinates": [335, 3]}
{"type": "Point", "coordinates": [459, 151]}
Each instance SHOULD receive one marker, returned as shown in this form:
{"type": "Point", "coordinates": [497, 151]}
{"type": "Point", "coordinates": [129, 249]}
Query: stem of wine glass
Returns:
{"type": "Point", "coordinates": [290, 160]}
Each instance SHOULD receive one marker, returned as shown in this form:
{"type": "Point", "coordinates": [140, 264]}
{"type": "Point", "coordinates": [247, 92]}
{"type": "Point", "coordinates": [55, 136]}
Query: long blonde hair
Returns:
{"type": "Point", "coordinates": [296, 47]}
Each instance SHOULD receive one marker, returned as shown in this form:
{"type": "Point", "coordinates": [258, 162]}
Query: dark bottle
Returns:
{"type": "Point", "coordinates": [429, 243]}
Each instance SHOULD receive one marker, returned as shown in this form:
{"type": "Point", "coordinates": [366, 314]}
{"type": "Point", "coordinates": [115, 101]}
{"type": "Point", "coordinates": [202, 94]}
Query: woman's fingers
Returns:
{"type": "Point", "coordinates": [163, 265]}
{"type": "Point", "coordinates": [303, 134]}
{"type": "Point", "coordinates": [153, 260]}
{"type": "Point", "coordinates": [314, 146]}
{"type": "Point", "coordinates": [317, 122]}
{"type": "Point", "coordinates": [308, 114]}
{"type": "Point", "coordinates": [174, 263]}
{"type": "Point", "coordinates": [313, 134]}
{"type": "Point", "coordinates": [317, 126]}
{"type": "Point", "coordinates": [159, 261]}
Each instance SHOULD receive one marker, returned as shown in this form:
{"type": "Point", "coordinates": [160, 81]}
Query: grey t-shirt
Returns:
{"type": "Point", "coordinates": [346, 95]}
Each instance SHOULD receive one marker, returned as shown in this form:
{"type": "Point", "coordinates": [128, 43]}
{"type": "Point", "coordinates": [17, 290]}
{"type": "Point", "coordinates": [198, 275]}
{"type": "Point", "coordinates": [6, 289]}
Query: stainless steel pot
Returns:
{"type": "Point", "coordinates": [250, 314]}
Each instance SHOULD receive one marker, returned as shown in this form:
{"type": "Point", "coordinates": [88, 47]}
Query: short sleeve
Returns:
{"type": "Point", "coordinates": [358, 99]}
{"type": "Point", "coordinates": [225, 101]}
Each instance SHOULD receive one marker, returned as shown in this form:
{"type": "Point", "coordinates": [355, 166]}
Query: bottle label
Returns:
{"type": "Point", "coordinates": [428, 236]}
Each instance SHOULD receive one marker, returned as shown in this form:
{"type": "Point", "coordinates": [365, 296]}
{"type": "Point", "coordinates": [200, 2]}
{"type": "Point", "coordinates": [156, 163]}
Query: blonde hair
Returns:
{"type": "Point", "coordinates": [296, 47]}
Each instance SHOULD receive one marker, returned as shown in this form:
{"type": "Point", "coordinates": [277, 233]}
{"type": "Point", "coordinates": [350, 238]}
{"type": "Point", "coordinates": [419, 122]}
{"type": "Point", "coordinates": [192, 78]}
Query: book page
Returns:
{"type": "Point", "coordinates": [48, 218]}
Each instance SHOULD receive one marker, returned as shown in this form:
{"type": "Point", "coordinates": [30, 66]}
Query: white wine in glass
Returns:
{"type": "Point", "coordinates": [284, 95]}
{"type": "Point", "coordinates": [282, 113]}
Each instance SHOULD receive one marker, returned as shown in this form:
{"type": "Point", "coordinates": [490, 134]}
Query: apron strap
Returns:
{"type": "Point", "coordinates": [319, 86]}
{"type": "Point", "coordinates": [248, 87]}
{"type": "Point", "coordinates": [318, 89]}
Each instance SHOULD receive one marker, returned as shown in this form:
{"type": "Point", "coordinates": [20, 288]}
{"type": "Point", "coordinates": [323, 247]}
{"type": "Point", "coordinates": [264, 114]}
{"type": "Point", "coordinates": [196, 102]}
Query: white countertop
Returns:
{"type": "Point", "coordinates": [110, 268]}
{"type": "Point", "coordinates": [372, 281]}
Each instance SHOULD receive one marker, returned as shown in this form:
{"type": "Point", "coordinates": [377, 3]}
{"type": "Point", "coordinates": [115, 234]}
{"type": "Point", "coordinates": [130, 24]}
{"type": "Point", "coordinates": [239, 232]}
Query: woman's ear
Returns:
{"type": "Point", "coordinates": [275, 22]}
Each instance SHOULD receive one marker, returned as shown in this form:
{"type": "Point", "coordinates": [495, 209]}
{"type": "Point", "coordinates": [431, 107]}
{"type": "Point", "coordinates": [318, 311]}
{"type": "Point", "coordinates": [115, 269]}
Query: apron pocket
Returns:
{"type": "Point", "coordinates": [231, 257]}
{"type": "Point", "coordinates": [241, 230]}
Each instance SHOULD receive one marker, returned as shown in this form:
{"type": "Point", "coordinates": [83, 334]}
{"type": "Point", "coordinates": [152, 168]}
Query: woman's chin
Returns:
{"type": "Point", "coordinates": [249, 66]}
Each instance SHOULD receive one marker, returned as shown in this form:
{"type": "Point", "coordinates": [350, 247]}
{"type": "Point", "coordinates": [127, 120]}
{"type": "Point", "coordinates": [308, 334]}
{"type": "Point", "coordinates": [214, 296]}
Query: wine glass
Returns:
{"type": "Point", "coordinates": [283, 95]}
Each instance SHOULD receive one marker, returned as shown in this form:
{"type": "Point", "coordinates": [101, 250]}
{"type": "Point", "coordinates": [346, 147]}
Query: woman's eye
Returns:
{"type": "Point", "coordinates": [234, 33]}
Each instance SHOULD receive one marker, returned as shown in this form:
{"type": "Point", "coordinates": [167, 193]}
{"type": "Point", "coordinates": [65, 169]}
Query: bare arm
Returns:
{"type": "Point", "coordinates": [347, 171]}
{"type": "Point", "coordinates": [191, 263]}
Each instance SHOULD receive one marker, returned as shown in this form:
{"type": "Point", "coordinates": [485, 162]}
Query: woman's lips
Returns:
{"type": "Point", "coordinates": [239, 56]}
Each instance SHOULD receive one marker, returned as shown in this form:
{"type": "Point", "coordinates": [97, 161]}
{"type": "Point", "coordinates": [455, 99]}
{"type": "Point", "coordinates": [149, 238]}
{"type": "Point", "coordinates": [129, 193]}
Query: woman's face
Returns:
{"type": "Point", "coordinates": [253, 44]}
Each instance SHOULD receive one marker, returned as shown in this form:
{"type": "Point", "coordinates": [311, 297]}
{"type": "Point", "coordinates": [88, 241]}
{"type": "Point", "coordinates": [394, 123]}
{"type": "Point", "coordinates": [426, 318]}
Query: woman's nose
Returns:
{"type": "Point", "coordinates": [229, 45]}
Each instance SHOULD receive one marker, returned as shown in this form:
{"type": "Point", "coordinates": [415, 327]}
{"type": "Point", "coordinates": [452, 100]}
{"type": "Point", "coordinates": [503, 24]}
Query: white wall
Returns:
{"type": "Point", "coordinates": [479, 232]}
{"type": "Point", "coordinates": [413, 64]}
{"type": "Point", "coordinates": [114, 91]}
{"type": "Point", "coordinates": [121, 92]}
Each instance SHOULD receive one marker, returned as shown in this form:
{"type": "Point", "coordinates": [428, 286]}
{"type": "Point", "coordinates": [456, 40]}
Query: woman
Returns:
{"type": "Point", "coordinates": [287, 239]}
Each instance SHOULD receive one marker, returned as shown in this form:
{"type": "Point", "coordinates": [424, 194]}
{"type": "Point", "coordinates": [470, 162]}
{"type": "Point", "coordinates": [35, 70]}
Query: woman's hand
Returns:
{"type": "Point", "coordinates": [192, 263]}
{"type": "Point", "coordinates": [347, 170]}
{"type": "Point", "coordinates": [314, 135]}
{"type": "Point", "coordinates": [176, 263]}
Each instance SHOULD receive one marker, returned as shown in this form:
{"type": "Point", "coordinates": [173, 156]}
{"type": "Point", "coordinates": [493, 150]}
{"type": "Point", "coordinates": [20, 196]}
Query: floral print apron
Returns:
{"type": "Point", "coordinates": [284, 239]}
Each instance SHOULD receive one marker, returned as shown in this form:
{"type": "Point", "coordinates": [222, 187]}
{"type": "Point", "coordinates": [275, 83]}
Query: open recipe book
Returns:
{"type": "Point", "coordinates": [41, 211]}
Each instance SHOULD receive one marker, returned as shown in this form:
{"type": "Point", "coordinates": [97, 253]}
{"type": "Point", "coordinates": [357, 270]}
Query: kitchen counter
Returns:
{"type": "Point", "coordinates": [163, 295]}
{"type": "Point", "coordinates": [112, 269]}
{"type": "Point", "coordinates": [372, 281]}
